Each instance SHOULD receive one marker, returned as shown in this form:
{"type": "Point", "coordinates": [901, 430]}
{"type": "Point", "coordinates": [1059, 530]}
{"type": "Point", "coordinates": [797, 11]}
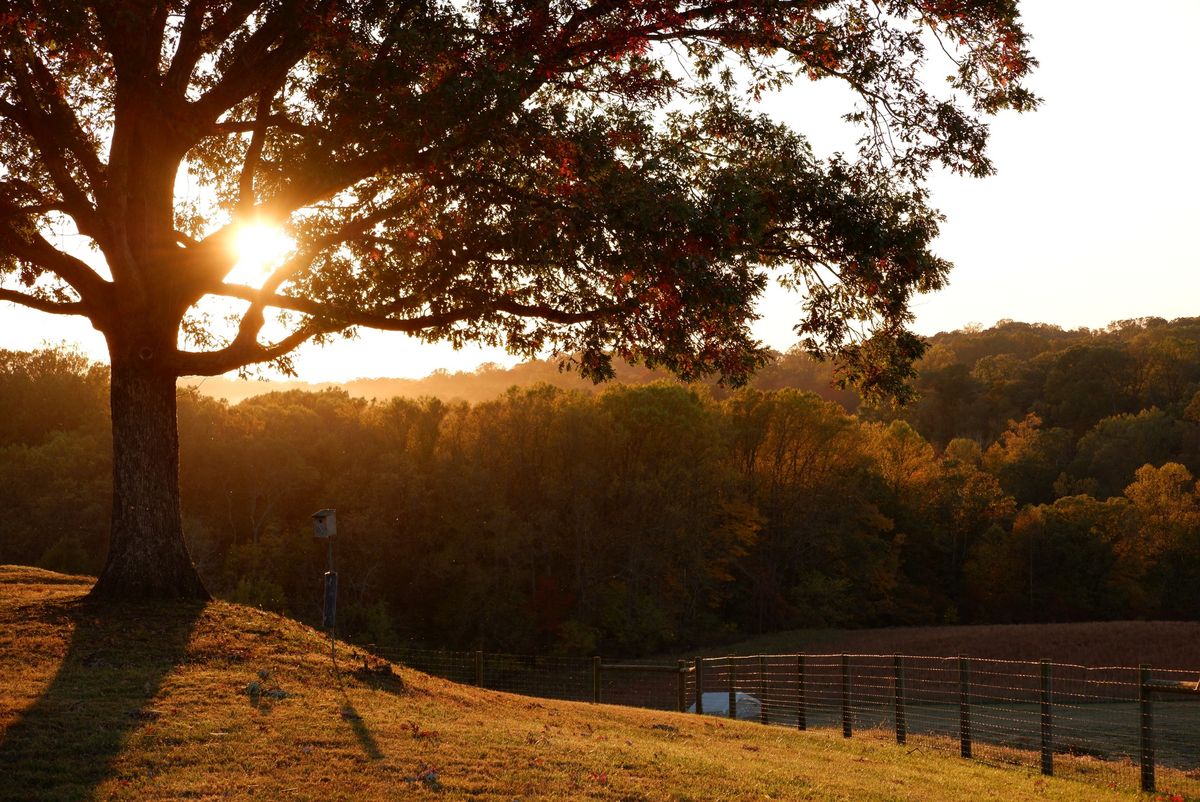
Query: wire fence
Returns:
{"type": "Point", "coordinates": [1121, 727]}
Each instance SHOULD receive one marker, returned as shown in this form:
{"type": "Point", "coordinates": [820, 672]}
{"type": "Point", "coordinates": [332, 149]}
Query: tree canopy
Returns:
{"type": "Point", "coordinates": [585, 177]}
{"type": "Point", "coordinates": [582, 175]}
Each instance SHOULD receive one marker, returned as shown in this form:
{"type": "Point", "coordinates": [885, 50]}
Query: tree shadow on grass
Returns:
{"type": "Point", "coordinates": [66, 743]}
{"type": "Point", "coordinates": [351, 716]}
{"type": "Point", "coordinates": [365, 739]}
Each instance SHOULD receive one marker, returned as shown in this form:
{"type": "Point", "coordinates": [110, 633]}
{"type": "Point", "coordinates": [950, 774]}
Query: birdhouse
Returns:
{"type": "Point", "coordinates": [324, 523]}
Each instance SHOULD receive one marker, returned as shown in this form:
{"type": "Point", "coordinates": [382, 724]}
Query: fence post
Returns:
{"type": "Point", "coordinates": [964, 705]}
{"type": "Point", "coordinates": [699, 686]}
{"type": "Point", "coordinates": [847, 724]}
{"type": "Point", "coordinates": [732, 688]}
{"type": "Point", "coordinates": [1146, 739]}
{"type": "Point", "coordinates": [479, 668]}
{"type": "Point", "coordinates": [681, 686]}
{"type": "Point", "coordinates": [763, 715]}
{"type": "Point", "coordinates": [801, 711]}
{"type": "Point", "coordinates": [1047, 720]}
{"type": "Point", "coordinates": [901, 720]}
{"type": "Point", "coordinates": [596, 680]}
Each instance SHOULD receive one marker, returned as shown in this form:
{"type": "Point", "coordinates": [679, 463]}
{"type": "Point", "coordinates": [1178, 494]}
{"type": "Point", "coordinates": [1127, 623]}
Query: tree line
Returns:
{"type": "Point", "coordinates": [1042, 475]}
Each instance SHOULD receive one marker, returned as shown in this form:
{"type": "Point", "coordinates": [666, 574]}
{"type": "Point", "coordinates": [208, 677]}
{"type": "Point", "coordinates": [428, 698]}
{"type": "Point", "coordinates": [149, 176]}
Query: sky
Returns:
{"type": "Point", "coordinates": [1092, 216]}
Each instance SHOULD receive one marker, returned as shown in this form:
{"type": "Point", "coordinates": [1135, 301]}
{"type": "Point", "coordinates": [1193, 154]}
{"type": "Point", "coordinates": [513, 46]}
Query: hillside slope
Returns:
{"type": "Point", "coordinates": [223, 701]}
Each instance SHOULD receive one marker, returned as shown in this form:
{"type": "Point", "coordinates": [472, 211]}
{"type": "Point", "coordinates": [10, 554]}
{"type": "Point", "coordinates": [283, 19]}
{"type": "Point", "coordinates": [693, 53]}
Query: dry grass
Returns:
{"type": "Point", "coordinates": [1163, 644]}
{"type": "Point", "coordinates": [152, 702]}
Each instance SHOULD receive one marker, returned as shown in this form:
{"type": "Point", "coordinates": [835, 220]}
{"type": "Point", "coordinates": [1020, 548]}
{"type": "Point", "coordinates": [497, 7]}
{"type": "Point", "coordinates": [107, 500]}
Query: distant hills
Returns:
{"type": "Point", "coordinates": [793, 369]}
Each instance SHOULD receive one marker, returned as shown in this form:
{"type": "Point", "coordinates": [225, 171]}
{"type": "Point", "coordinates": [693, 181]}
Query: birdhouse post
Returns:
{"type": "Point", "coordinates": [324, 528]}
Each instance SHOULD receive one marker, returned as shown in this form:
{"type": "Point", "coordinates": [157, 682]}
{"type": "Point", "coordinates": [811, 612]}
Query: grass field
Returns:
{"type": "Point", "coordinates": [218, 701]}
{"type": "Point", "coordinates": [1162, 644]}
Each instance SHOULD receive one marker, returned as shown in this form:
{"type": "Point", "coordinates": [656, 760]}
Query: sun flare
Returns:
{"type": "Point", "coordinates": [259, 247]}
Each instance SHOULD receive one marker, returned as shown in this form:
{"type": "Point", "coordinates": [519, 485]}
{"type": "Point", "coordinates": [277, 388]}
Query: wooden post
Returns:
{"type": "Point", "coordinates": [964, 706]}
{"type": "Point", "coordinates": [763, 715]}
{"type": "Point", "coordinates": [801, 707]}
{"type": "Point", "coordinates": [732, 688]}
{"type": "Point", "coordinates": [1047, 719]}
{"type": "Point", "coordinates": [699, 686]}
{"type": "Point", "coordinates": [901, 718]}
{"type": "Point", "coordinates": [1146, 732]}
{"type": "Point", "coordinates": [847, 722]}
{"type": "Point", "coordinates": [681, 686]}
{"type": "Point", "coordinates": [596, 680]}
{"type": "Point", "coordinates": [479, 668]}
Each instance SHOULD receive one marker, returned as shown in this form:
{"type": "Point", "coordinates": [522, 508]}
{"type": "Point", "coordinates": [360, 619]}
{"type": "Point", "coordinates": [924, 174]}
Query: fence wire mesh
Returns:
{"type": "Point", "coordinates": [1116, 726]}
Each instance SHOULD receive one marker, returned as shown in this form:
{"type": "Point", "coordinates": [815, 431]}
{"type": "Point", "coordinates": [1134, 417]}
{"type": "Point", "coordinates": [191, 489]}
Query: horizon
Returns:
{"type": "Point", "coordinates": [197, 381]}
{"type": "Point", "coordinates": [505, 361]}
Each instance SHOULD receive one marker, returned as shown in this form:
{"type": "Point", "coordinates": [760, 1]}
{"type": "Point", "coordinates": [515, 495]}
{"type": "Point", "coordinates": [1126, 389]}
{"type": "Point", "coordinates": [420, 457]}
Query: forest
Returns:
{"type": "Point", "coordinates": [1041, 474]}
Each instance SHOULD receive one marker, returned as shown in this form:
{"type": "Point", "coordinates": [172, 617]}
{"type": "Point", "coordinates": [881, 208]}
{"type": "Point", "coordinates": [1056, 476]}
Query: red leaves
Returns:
{"type": "Point", "coordinates": [945, 9]}
{"type": "Point", "coordinates": [822, 55]}
{"type": "Point", "coordinates": [627, 140]}
{"type": "Point", "coordinates": [565, 154]}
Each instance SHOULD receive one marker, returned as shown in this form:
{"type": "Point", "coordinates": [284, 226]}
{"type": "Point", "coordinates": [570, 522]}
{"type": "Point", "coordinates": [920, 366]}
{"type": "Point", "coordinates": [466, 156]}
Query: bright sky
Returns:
{"type": "Point", "coordinates": [1091, 218]}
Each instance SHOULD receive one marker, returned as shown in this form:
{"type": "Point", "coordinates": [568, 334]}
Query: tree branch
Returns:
{"type": "Point", "coordinates": [245, 349]}
{"type": "Point", "coordinates": [412, 325]}
{"type": "Point", "coordinates": [40, 252]}
{"type": "Point", "coordinates": [254, 152]}
{"type": "Point", "coordinates": [133, 31]}
{"type": "Point", "coordinates": [187, 51]}
{"type": "Point", "coordinates": [30, 118]}
{"type": "Point", "coordinates": [255, 65]}
{"type": "Point", "coordinates": [239, 354]}
{"type": "Point", "coordinates": [72, 135]}
{"type": "Point", "coordinates": [280, 121]}
{"type": "Point", "coordinates": [43, 305]}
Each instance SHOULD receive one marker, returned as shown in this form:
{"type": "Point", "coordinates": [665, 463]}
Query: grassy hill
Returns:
{"type": "Point", "coordinates": [219, 701]}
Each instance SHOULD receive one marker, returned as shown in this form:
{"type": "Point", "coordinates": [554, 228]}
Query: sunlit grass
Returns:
{"type": "Point", "coordinates": [151, 702]}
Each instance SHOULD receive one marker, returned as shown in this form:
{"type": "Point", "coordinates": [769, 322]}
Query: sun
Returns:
{"type": "Point", "coordinates": [259, 247]}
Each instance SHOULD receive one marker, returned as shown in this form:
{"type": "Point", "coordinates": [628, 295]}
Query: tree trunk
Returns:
{"type": "Point", "coordinates": [147, 557]}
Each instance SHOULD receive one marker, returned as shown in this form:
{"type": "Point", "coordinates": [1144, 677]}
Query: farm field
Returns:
{"type": "Point", "coordinates": [223, 701]}
{"type": "Point", "coordinates": [1162, 644]}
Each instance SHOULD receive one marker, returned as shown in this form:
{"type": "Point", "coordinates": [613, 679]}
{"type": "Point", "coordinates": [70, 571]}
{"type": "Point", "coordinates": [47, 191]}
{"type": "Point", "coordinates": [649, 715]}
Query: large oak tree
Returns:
{"type": "Point", "coordinates": [589, 177]}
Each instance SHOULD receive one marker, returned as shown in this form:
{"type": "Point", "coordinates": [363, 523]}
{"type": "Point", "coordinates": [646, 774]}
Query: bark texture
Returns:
{"type": "Point", "coordinates": [147, 556]}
